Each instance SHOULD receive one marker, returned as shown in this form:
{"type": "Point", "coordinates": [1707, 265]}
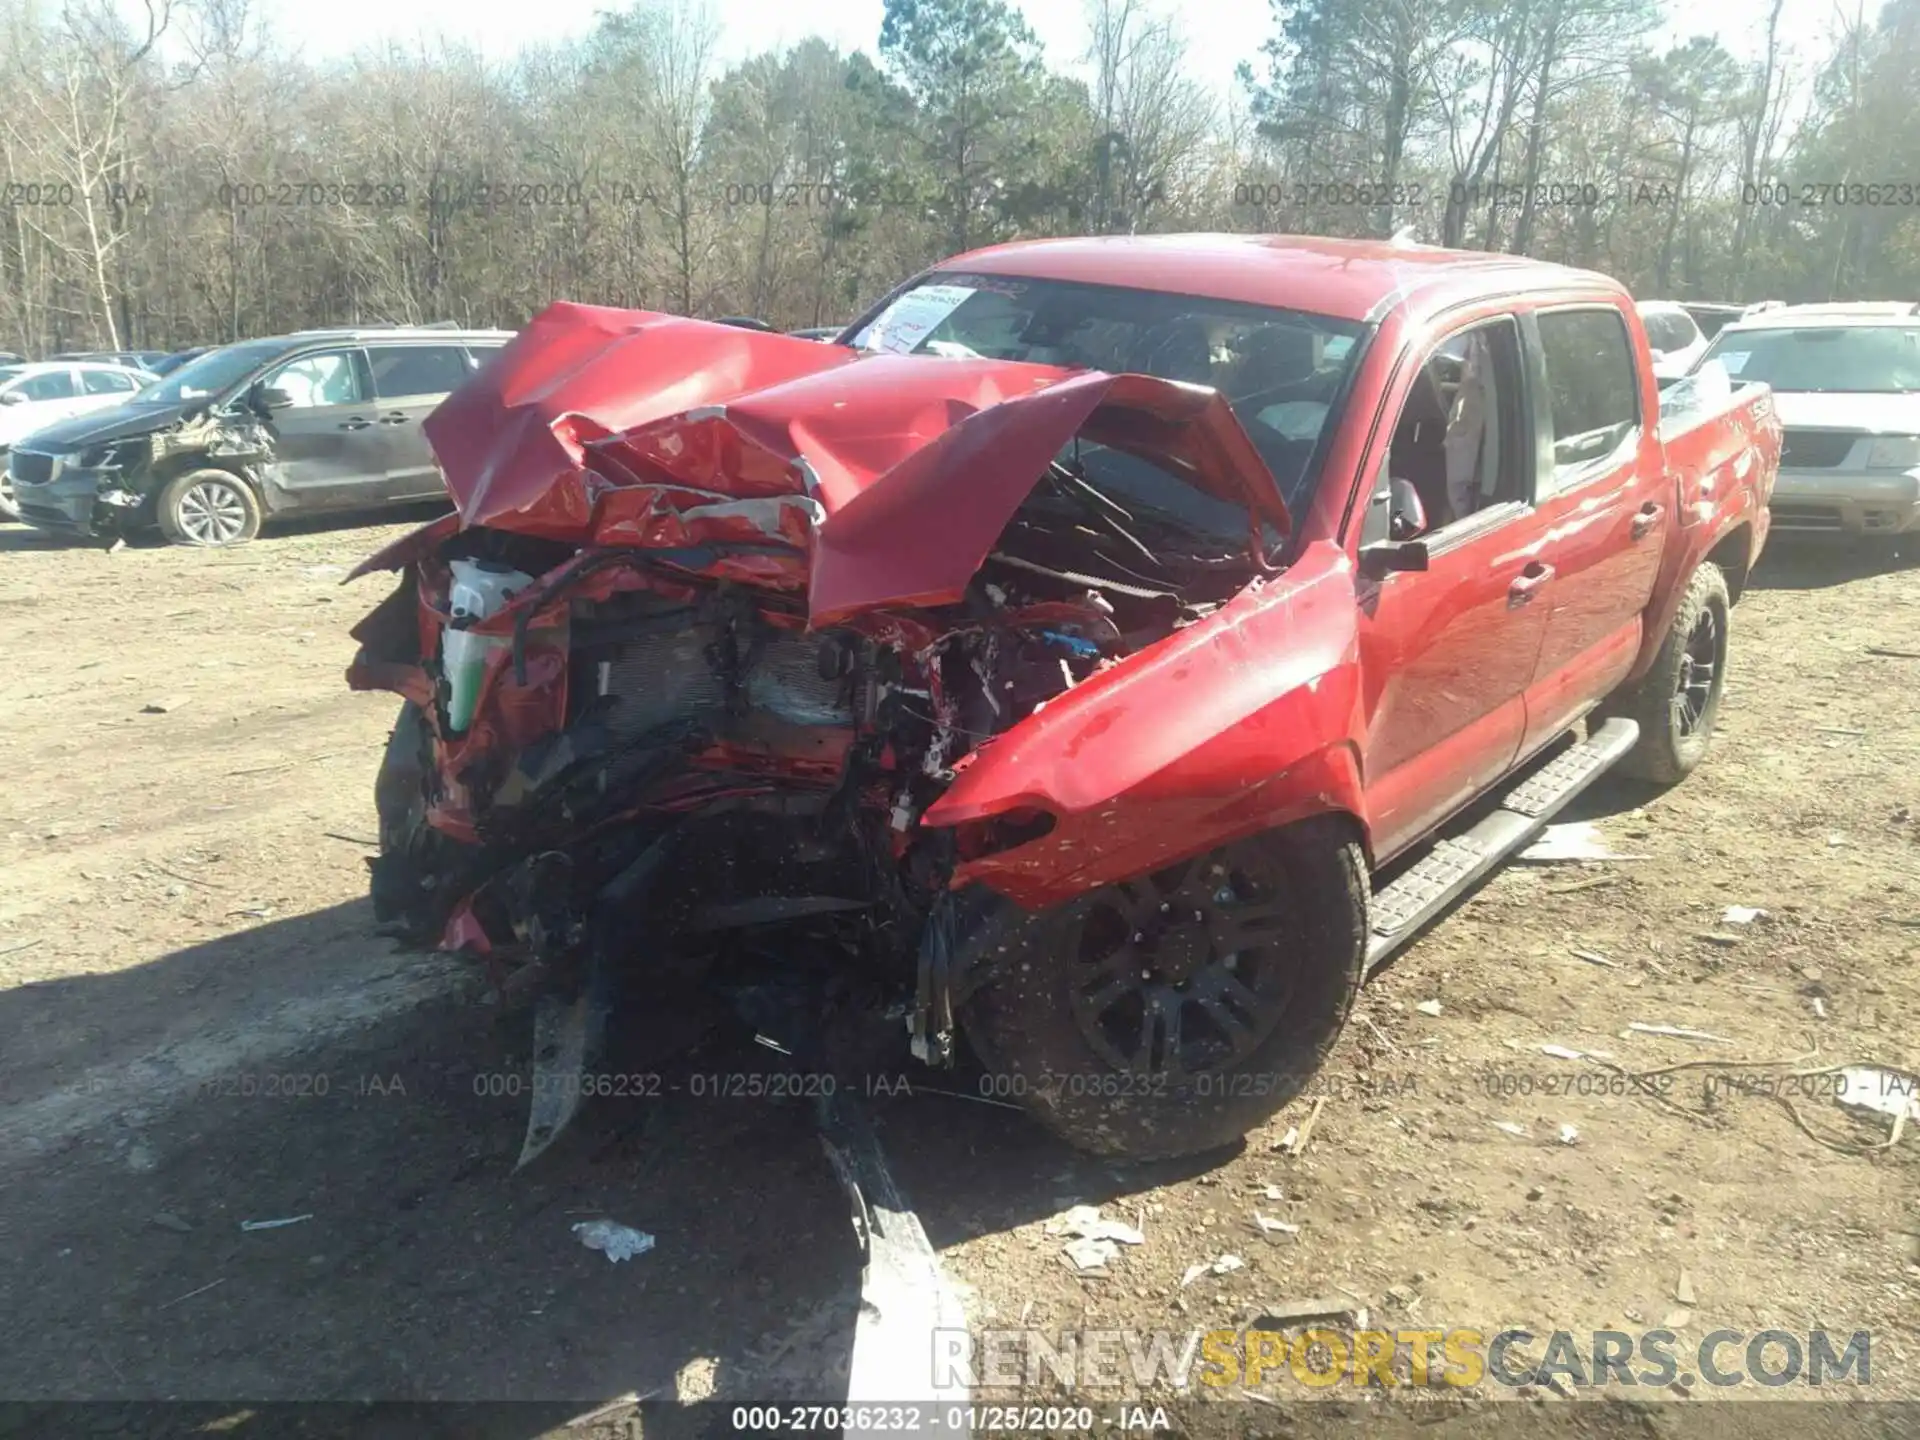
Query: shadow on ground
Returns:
{"type": "Point", "coordinates": [1804, 562]}
{"type": "Point", "coordinates": [427, 1269]}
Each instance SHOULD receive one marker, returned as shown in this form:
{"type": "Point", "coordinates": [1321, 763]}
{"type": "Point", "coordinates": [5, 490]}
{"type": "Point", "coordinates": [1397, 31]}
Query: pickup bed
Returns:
{"type": "Point", "coordinates": [1088, 654]}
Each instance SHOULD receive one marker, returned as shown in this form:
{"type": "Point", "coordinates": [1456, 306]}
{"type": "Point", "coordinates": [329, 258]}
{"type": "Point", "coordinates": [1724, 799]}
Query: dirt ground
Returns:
{"type": "Point", "coordinates": [198, 1028]}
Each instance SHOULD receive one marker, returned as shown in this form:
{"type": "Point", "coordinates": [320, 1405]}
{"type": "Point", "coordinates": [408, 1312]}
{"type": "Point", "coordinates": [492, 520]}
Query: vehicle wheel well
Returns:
{"type": "Point", "coordinates": [1731, 556]}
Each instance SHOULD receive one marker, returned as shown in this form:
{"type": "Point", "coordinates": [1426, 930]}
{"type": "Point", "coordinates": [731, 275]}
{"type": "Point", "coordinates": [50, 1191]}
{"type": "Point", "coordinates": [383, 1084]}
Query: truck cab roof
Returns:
{"type": "Point", "coordinates": [1346, 279]}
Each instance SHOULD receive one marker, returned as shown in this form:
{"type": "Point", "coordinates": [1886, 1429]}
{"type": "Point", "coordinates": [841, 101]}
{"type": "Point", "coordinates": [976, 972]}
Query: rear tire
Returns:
{"type": "Point", "coordinates": [1172, 1014]}
{"type": "Point", "coordinates": [1676, 702]}
{"type": "Point", "coordinates": [208, 508]}
{"type": "Point", "coordinates": [9, 503]}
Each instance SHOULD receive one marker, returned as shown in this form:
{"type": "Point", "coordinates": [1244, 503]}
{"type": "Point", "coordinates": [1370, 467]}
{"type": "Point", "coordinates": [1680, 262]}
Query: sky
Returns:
{"type": "Point", "coordinates": [1220, 33]}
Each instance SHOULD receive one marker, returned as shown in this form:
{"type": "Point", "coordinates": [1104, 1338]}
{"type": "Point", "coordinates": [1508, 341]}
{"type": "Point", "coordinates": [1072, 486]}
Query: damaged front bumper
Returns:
{"type": "Point", "coordinates": [757, 706]}
{"type": "Point", "coordinates": [55, 494]}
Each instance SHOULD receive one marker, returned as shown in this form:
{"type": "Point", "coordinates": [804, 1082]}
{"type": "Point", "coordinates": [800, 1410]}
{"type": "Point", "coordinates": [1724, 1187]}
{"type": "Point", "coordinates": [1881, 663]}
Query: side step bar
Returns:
{"type": "Point", "coordinates": [1456, 864]}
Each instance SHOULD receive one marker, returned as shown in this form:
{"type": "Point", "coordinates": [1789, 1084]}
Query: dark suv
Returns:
{"type": "Point", "coordinates": [321, 420]}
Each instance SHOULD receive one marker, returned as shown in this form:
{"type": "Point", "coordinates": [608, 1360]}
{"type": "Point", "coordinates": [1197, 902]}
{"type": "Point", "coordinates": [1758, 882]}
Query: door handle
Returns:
{"type": "Point", "coordinates": [394, 417]}
{"type": "Point", "coordinates": [355, 422]}
{"type": "Point", "coordinates": [1529, 580]}
{"type": "Point", "coordinates": [1647, 519]}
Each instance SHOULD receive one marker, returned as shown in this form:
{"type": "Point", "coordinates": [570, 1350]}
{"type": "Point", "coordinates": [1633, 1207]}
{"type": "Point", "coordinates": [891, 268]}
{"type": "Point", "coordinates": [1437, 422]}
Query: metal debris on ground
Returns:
{"type": "Point", "coordinates": [1569, 1135]}
{"type": "Point", "coordinates": [616, 1241]}
{"type": "Point", "coordinates": [1683, 1288]}
{"type": "Point", "coordinates": [1268, 1225]}
{"type": "Point", "coordinates": [1593, 957]}
{"type": "Point", "coordinates": [168, 1221]}
{"type": "Point", "coordinates": [1429, 1007]}
{"type": "Point", "coordinates": [1224, 1265]}
{"type": "Point", "coordinates": [163, 707]}
{"type": "Point", "coordinates": [1295, 1312]}
{"type": "Point", "coordinates": [274, 1224]}
{"type": "Point", "coordinates": [1518, 1131]}
{"type": "Point", "coordinates": [1562, 1052]}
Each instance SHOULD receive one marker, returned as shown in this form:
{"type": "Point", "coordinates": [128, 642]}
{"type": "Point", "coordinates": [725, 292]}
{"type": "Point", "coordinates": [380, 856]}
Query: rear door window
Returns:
{"type": "Point", "coordinates": [401, 370]}
{"type": "Point", "coordinates": [47, 385]}
{"type": "Point", "coordinates": [1593, 391]}
{"type": "Point", "coordinates": [107, 382]}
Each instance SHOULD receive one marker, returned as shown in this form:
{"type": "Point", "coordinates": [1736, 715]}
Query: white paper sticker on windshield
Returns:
{"type": "Point", "coordinates": [1733, 360]}
{"type": "Point", "coordinates": [911, 318]}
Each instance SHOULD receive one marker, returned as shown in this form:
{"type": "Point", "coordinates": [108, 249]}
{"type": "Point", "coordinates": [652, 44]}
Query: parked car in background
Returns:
{"type": "Point", "coordinates": [167, 364]}
{"type": "Point", "coordinates": [321, 420]}
{"type": "Point", "coordinates": [134, 359]}
{"type": "Point", "coordinates": [1712, 317]}
{"type": "Point", "coordinates": [7, 357]}
{"type": "Point", "coordinates": [1066, 691]}
{"type": "Point", "coordinates": [34, 396]}
{"type": "Point", "coordinates": [1846, 379]}
{"type": "Point", "coordinates": [1673, 337]}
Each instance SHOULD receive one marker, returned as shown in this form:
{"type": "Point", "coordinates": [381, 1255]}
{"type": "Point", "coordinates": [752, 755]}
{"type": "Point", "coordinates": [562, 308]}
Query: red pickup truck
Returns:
{"type": "Point", "coordinates": [1086, 654]}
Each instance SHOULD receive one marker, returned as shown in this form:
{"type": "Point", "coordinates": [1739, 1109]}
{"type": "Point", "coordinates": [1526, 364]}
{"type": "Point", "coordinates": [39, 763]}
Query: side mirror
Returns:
{"type": "Point", "coordinates": [1406, 513]}
{"type": "Point", "coordinates": [264, 397]}
{"type": "Point", "coordinates": [13, 397]}
{"type": "Point", "coordinates": [1390, 556]}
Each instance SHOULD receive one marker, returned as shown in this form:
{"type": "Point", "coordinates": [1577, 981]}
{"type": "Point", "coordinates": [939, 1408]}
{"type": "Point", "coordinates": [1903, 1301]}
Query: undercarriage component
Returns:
{"type": "Point", "coordinates": [906, 1301]}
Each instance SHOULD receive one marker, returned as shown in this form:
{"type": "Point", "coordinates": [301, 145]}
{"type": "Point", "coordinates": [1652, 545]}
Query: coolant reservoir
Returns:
{"type": "Point", "coordinates": [479, 589]}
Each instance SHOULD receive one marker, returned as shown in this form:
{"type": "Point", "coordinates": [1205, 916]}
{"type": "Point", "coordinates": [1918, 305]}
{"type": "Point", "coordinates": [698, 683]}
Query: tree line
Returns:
{"type": "Point", "coordinates": [171, 174]}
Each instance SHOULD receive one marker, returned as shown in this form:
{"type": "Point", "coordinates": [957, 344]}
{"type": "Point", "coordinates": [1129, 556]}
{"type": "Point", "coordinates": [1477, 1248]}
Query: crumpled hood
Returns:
{"type": "Point", "coordinates": [882, 478]}
{"type": "Point", "coordinates": [94, 427]}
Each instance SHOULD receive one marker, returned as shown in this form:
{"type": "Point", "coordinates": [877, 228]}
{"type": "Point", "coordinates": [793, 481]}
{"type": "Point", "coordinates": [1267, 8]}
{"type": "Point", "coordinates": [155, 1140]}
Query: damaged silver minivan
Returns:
{"type": "Point", "coordinates": [319, 420]}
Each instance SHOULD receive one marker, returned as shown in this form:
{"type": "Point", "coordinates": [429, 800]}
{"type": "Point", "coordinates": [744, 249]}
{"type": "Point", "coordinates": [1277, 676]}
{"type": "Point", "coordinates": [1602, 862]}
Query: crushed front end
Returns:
{"type": "Point", "coordinates": [688, 672]}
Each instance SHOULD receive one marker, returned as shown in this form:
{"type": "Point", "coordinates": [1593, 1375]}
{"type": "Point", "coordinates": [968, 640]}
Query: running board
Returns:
{"type": "Point", "coordinates": [1456, 864]}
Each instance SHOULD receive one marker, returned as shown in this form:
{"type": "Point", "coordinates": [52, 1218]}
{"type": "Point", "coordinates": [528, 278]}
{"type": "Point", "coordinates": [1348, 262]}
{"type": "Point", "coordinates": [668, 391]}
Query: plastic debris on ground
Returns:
{"type": "Point", "coordinates": [1268, 1225]}
{"type": "Point", "coordinates": [1428, 1007]}
{"type": "Point", "coordinates": [616, 1241]}
{"type": "Point", "coordinates": [1569, 1135]}
{"type": "Point", "coordinates": [273, 1224]}
{"type": "Point", "coordinates": [1518, 1131]}
{"type": "Point", "coordinates": [1225, 1265]}
{"type": "Point", "coordinates": [1888, 1092]}
{"type": "Point", "coordinates": [1571, 843]}
{"type": "Point", "coordinates": [1741, 914]}
{"type": "Point", "coordinates": [1094, 1241]}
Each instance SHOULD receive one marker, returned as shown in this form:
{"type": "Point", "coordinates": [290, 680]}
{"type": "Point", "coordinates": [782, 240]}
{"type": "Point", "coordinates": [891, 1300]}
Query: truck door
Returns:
{"type": "Point", "coordinates": [1605, 505]}
{"type": "Point", "coordinates": [1446, 653]}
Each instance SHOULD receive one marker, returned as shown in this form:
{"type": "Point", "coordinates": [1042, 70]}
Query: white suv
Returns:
{"type": "Point", "coordinates": [34, 396]}
{"type": "Point", "coordinates": [1846, 382]}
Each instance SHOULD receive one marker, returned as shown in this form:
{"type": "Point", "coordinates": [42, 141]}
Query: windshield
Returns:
{"type": "Point", "coordinates": [213, 373]}
{"type": "Point", "coordinates": [1858, 359]}
{"type": "Point", "coordinates": [1281, 370]}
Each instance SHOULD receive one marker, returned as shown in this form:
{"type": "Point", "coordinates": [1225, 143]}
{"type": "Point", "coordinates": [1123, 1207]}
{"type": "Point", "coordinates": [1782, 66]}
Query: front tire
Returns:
{"type": "Point", "coordinates": [1677, 701]}
{"type": "Point", "coordinates": [209, 508]}
{"type": "Point", "coordinates": [1172, 1014]}
{"type": "Point", "coordinates": [9, 502]}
